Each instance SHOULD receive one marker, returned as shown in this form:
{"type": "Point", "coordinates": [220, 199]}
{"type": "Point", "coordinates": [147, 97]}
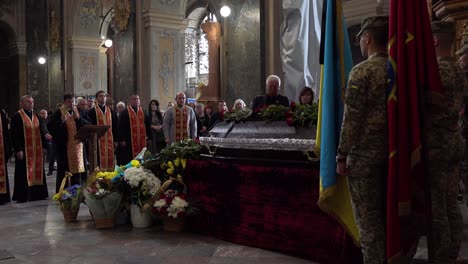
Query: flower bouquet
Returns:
{"type": "Point", "coordinates": [102, 198]}
{"type": "Point", "coordinates": [143, 185]}
{"type": "Point", "coordinates": [69, 199]}
{"type": "Point", "coordinates": [171, 161]}
{"type": "Point", "coordinates": [172, 205]}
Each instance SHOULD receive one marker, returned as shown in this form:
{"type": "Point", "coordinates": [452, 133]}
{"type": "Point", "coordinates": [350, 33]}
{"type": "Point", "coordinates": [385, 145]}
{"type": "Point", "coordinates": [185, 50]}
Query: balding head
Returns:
{"type": "Point", "coordinates": [180, 99]}
{"type": "Point", "coordinates": [27, 102]}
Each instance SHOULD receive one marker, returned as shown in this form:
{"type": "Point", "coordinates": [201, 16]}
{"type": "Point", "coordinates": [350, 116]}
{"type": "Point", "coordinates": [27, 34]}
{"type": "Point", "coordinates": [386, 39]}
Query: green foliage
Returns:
{"type": "Point", "coordinates": [173, 157]}
{"type": "Point", "coordinates": [274, 113]}
{"type": "Point", "coordinates": [305, 115]}
{"type": "Point", "coordinates": [238, 115]}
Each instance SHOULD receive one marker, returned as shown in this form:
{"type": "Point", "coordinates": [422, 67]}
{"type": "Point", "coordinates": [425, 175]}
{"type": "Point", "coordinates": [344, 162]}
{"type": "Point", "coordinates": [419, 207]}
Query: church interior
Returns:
{"type": "Point", "coordinates": [212, 51]}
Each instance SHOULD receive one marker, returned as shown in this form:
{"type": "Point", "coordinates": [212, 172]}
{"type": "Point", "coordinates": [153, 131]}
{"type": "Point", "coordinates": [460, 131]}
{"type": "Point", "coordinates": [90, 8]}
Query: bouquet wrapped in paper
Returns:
{"type": "Point", "coordinates": [102, 198]}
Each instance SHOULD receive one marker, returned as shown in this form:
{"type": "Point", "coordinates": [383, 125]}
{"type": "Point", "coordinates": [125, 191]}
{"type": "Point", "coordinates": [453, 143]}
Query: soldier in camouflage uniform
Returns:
{"type": "Point", "coordinates": [363, 151]}
{"type": "Point", "coordinates": [444, 147]}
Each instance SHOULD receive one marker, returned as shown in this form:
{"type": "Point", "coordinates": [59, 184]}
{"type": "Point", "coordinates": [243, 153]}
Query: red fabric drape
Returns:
{"type": "Point", "coordinates": [270, 207]}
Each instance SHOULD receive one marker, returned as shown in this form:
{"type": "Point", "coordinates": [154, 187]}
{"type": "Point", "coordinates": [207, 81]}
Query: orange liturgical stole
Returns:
{"type": "Point", "coordinates": [3, 181]}
{"type": "Point", "coordinates": [106, 142]}
{"type": "Point", "coordinates": [181, 120]}
{"type": "Point", "coordinates": [137, 130]}
{"type": "Point", "coordinates": [74, 146]}
{"type": "Point", "coordinates": [32, 149]}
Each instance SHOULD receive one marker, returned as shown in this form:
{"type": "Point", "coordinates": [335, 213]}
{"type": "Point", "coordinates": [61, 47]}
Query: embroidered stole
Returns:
{"type": "Point", "coordinates": [106, 142]}
{"type": "Point", "coordinates": [3, 180]}
{"type": "Point", "coordinates": [137, 129]}
{"type": "Point", "coordinates": [181, 123]}
{"type": "Point", "coordinates": [32, 149]}
{"type": "Point", "coordinates": [74, 146]}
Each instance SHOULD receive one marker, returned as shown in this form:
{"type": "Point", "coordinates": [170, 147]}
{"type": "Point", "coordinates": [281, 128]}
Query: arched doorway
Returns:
{"type": "Point", "coordinates": [9, 69]}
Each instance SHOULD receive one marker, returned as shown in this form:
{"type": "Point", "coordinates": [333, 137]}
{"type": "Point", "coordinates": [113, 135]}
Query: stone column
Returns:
{"type": "Point", "coordinates": [163, 64]}
{"type": "Point", "coordinates": [22, 67]}
{"type": "Point", "coordinates": [103, 71]}
{"type": "Point", "coordinates": [85, 65]}
{"type": "Point", "coordinates": [212, 31]}
{"type": "Point", "coordinates": [273, 18]}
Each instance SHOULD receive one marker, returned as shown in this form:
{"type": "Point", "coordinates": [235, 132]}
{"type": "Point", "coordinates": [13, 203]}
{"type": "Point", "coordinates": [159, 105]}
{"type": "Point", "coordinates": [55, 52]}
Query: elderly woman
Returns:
{"type": "Point", "coordinates": [306, 96]}
{"type": "Point", "coordinates": [239, 104]}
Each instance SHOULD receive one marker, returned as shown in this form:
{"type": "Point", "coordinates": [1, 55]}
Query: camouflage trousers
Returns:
{"type": "Point", "coordinates": [447, 222]}
{"type": "Point", "coordinates": [464, 181]}
{"type": "Point", "coordinates": [366, 186]}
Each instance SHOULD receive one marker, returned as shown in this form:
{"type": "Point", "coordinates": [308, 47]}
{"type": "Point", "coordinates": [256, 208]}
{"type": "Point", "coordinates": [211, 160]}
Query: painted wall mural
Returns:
{"type": "Point", "coordinates": [166, 71]}
{"type": "Point", "coordinates": [86, 72]}
{"type": "Point", "coordinates": [89, 12]}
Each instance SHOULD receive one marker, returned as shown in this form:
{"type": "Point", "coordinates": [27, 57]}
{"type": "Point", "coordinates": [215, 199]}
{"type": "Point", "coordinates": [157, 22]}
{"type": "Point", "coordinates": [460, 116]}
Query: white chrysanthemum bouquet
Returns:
{"type": "Point", "coordinates": [143, 184]}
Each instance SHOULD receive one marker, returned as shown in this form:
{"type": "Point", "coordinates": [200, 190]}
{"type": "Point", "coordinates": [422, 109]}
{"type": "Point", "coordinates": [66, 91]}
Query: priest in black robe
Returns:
{"type": "Point", "coordinates": [63, 125]}
{"type": "Point", "coordinates": [5, 156]}
{"type": "Point", "coordinates": [30, 181]}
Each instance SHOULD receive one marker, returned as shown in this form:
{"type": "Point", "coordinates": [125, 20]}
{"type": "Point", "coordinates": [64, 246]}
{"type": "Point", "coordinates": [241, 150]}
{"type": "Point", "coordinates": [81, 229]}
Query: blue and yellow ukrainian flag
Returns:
{"type": "Point", "coordinates": [336, 63]}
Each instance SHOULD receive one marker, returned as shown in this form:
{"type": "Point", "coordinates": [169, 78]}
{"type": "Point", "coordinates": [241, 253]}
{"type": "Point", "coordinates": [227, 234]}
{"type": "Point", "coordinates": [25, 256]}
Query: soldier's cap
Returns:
{"type": "Point", "coordinates": [443, 27]}
{"type": "Point", "coordinates": [373, 22]}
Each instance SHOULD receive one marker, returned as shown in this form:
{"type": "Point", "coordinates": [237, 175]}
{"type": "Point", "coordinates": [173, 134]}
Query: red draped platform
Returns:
{"type": "Point", "coordinates": [269, 206]}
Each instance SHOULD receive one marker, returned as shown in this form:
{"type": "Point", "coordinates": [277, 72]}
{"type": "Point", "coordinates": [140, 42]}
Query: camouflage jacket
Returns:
{"type": "Point", "coordinates": [364, 127]}
{"type": "Point", "coordinates": [442, 111]}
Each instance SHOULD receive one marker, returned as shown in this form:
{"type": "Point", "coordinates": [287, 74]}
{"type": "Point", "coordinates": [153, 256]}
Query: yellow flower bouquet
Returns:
{"type": "Point", "coordinates": [102, 198]}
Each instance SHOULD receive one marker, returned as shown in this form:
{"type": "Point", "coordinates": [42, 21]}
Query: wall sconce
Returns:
{"type": "Point", "coordinates": [41, 60]}
{"type": "Point", "coordinates": [108, 43]}
{"type": "Point", "coordinates": [225, 11]}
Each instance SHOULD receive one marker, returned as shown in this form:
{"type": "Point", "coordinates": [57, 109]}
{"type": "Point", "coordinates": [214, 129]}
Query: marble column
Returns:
{"type": "Point", "coordinates": [212, 31]}
{"type": "Point", "coordinates": [86, 64]}
{"type": "Point", "coordinates": [163, 63]}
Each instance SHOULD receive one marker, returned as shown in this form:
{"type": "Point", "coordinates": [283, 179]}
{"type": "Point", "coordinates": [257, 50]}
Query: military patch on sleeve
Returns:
{"type": "Point", "coordinates": [354, 85]}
